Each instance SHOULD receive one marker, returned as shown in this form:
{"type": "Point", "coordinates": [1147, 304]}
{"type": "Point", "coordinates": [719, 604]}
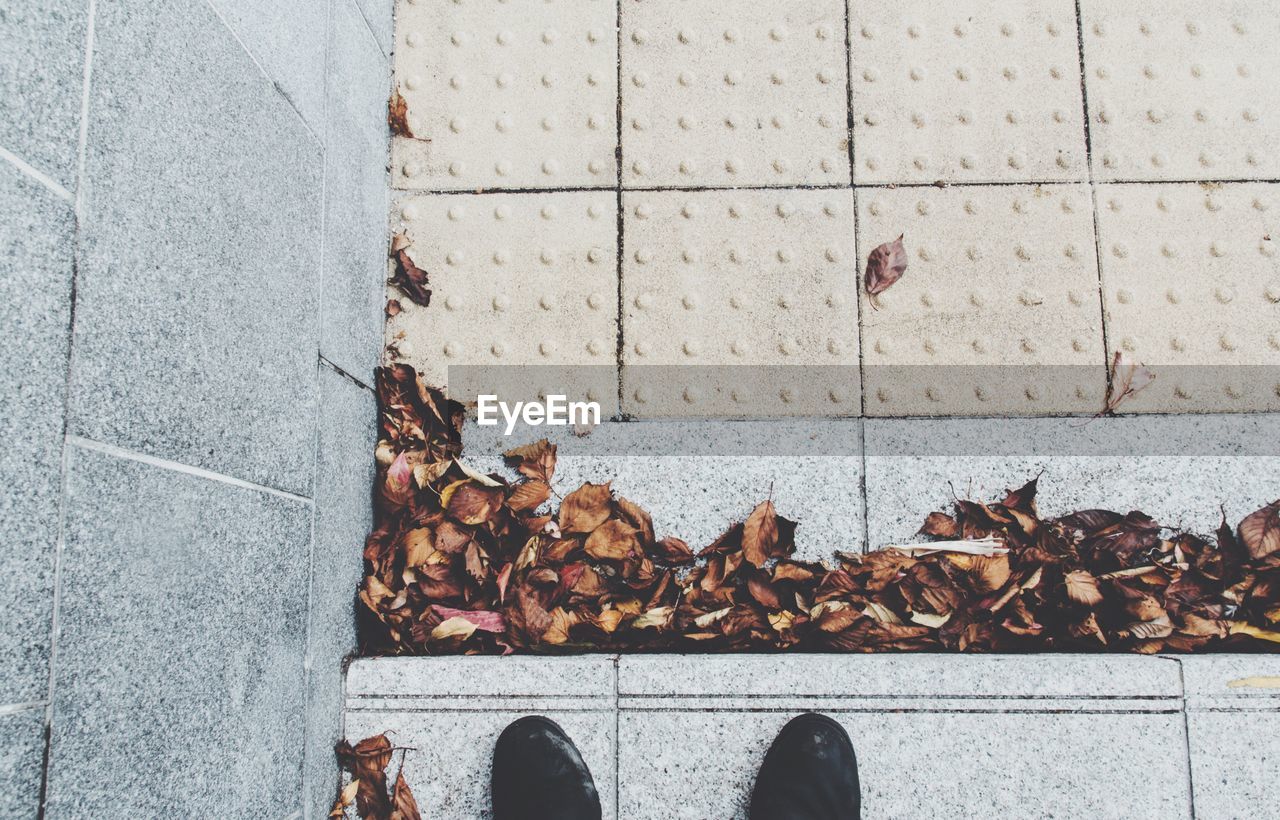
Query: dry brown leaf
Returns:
{"type": "Point", "coordinates": [885, 266]}
{"type": "Point", "coordinates": [1082, 587]}
{"type": "Point", "coordinates": [638, 517]}
{"type": "Point", "coordinates": [471, 503]}
{"type": "Point", "coordinates": [1127, 379]}
{"type": "Point", "coordinates": [403, 804]}
{"type": "Point", "coordinates": [398, 115]}
{"type": "Point", "coordinates": [586, 508]}
{"type": "Point", "coordinates": [613, 541]}
{"type": "Point", "coordinates": [1260, 531]}
{"type": "Point", "coordinates": [760, 534]}
{"type": "Point", "coordinates": [411, 279]}
{"type": "Point", "coordinates": [529, 495]}
{"type": "Point", "coordinates": [536, 460]}
{"type": "Point", "coordinates": [345, 798]}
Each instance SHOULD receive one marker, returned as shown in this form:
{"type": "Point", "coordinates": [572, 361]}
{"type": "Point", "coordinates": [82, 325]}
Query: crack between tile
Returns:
{"type": "Point", "coordinates": [179, 467]}
{"type": "Point", "coordinates": [336, 369]}
{"type": "Point", "coordinates": [64, 472]}
{"type": "Point", "coordinates": [1093, 198]}
{"type": "Point", "coordinates": [620, 345]}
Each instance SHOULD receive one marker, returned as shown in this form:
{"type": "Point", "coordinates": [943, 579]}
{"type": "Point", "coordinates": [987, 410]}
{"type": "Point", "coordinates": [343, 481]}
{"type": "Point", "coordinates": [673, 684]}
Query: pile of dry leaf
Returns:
{"type": "Point", "coordinates": [461, 562]}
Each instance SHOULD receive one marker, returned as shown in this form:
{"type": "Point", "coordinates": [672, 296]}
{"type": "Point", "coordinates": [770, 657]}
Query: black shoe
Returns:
{"type": "Point", "coordinates": [810, 773]}
{"type": "Point", "coordinates": [538, 774]}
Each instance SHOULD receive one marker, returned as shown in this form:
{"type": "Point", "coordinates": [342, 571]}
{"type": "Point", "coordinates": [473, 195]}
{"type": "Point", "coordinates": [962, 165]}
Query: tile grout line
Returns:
{"type": "Point", "coordinates": [82, 152]}
{"type": "Point", "coordinates": [617, 739]}
{"type": "Point", "coordinates": [857, 291]}
{"type": "Point", "coordinates": [308, 661]}
{"type": "Point", "coordinates": [839, 186]}
{"type": "Point", "coordinates": [178, 467]}
{"type": "Point", "coordinates": [1093, 196]}
{"type": "Point", "coordinates": [1186, 736]}
{"type": "Point", "coordinates": [863, 497]}
{"type": "Point", "coordinates": [36, 174]}
{"type": "Point", "coordinates": [619, 225]}
{"type": "Point", "coordinates": [10, 709]}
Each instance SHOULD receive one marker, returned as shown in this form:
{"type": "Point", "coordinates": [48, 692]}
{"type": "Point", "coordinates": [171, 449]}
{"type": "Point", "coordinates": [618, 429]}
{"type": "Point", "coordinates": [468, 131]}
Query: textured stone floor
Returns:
{"type": "Point", "coordinates": [669, 736]}
{"type": "Point", "coordinates": [679, 193]}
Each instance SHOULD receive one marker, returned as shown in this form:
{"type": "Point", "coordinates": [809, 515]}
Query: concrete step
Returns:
{"type": "Point", "coordinates": [674, 736]}
{"type": "Point", "coordinates": [855, 483]}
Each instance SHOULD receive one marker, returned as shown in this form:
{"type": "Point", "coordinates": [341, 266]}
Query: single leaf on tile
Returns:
{"type": "Point", "coordinates": [393, 307]}
{"type": "Point", "coordinates": [398, 115]}
{"type": "Point", "coordinates": [885, 266]}
{"type": "Point", "coordinates": [411, 279]}
{"type": "Point", "coordinates": [1128, 378]}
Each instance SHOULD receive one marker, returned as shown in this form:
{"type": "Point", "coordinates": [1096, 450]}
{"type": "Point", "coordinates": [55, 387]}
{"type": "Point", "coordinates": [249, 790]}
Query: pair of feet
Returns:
{"type": "Point", "coordinates": [810, 773]}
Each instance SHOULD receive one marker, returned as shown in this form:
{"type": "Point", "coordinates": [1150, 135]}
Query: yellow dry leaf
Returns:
{"type": "Point", "coordinates": [881, 613]}
{"type": "Point", "coordinates": [448, 491]}
{"type": "Point", "coordinates": [1240, 628]}
{"type": "Point", "coordinates": [1256, 682]}
{"type": "Point", "coordinates": [781, 621]}
{"type": "Point", "coordinates": [609, 620]}
{"type": "Point", "coordinates": [455, 627]}
{"type": "Point", "coordinates": [656, 618]}
{"type": "Point", "coordinates": [704, 621]}
{"type": "Point", "coordinates": [478, 477]}
{"type": "Point", "coordinates": [929, 619]}
{"type": "Point", "coordinates": [346, 798]}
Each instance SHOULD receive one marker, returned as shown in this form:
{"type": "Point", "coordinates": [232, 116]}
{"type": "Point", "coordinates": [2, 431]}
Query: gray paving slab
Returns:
{"type": "Point", "coordinates": [37, 232]}
{"type": "Point", "coordinates": [21, 756]}
{"type": "Point", "coordinates": [344, 474]}
{"type": "Point", "coordinates": [932, 763]}
{"type": "Point", "coordinates": [355, 190]}
{"type": "Point", "coordinates": [697, 478]}
{"type": "Point", "coordinates": [287, 38]}
{"type": "Point", "coordinates": [942, 736]}
{"type": "Point", "coordinates": [450, 711]}
{"type": "Point", "coordinates": [42, 83]}
{"type": "Point", "coordinates": [743, 678]}
{"type": "Point", "coordinates": [200, 252]}
{"type": "Point", "coordinates": [1233, 731]}
{"type": "Point", "coordinates": [1182, 470]}
{"type": "Point", "coordinates": [181, 639]}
